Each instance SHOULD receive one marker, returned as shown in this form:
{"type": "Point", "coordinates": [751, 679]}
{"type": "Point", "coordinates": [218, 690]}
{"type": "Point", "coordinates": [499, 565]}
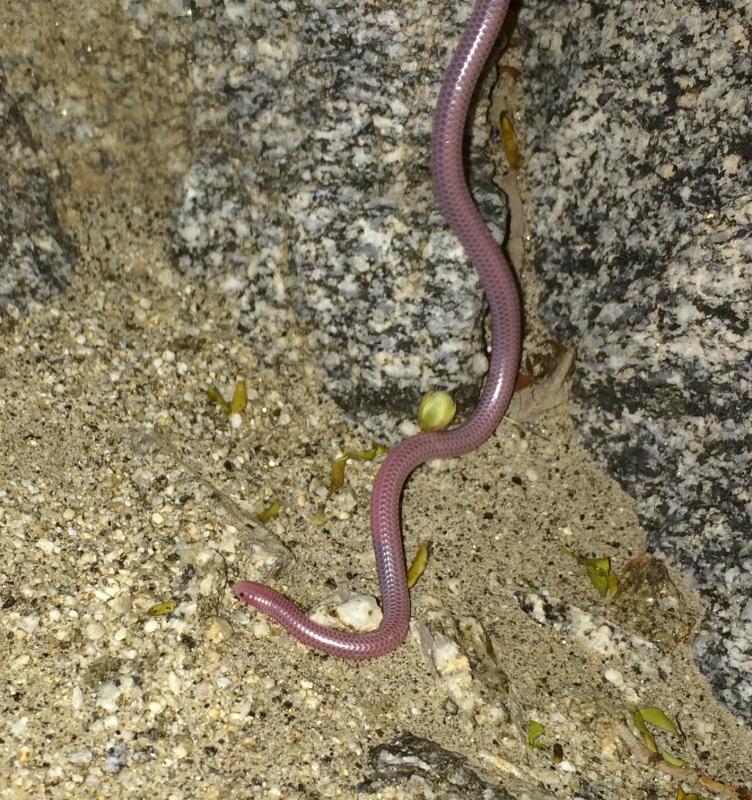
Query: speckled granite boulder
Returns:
{"type": "Point", "coordinates": [36, 254]}
{"type": "Point", "coordinates": [641, 176]}
{"type": "Point", "coordinates": [310, 199]}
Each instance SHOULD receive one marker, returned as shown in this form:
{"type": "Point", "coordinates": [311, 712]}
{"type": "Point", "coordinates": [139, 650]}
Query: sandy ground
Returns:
{"type": "Point", "coordinates": [122, 487]}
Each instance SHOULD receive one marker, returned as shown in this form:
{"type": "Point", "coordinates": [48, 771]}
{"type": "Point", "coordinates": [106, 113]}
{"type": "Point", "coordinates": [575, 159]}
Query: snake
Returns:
{"type": "Point", "coordinates": [504, 308]}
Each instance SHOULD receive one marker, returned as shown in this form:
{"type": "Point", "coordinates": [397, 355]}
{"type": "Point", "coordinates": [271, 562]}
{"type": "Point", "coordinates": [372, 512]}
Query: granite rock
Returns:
{"type": "Point", "coordinates": [639, 165]}
{"type": "Point", "coordinates": [37, 255]}
{"type": "Point", "coordinates": [310, 199]}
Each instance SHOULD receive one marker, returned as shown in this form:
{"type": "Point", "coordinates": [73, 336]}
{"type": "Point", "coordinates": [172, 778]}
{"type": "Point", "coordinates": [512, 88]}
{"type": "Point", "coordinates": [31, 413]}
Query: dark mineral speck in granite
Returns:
{"type": "Point", "coordinates": [640, 173]}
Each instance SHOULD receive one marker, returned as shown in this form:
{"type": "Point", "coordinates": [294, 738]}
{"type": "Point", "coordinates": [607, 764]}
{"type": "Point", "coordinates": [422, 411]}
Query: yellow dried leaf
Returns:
{"type": "Point", "coordinates": [318, 519]}
{"type": "Point", "coordinates": [368, 455]}
{"type": "Point", "coordinates": [509, 140]}
{"type": "Point", "coordinates": [418, 567]}
{"type": "Point", "coordinates": [161, 609]}
{"type": "Point", "coordinates": [338, 474]}
{"type": "Point", "coordinates": [269, 513]}
{"type": "Point", "coordinates": [215, 396]}
{"type": "Point", "coordinates": [239, 398]}
{"type": "Point", "coordinates": [338, 467]}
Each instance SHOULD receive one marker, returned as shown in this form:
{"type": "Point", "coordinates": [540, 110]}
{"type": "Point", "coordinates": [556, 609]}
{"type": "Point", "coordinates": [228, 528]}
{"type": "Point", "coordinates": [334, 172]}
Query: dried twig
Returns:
{"type": "Point", "coordinates": [682, 773]}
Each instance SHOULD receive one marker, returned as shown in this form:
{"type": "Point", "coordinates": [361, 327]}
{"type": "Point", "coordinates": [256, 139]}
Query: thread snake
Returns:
{"type": "Point", "coordinates": [502, 296]}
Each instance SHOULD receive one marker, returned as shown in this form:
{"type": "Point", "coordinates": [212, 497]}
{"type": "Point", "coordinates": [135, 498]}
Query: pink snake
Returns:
{"type": "Point", "coordinates": [505, 313]}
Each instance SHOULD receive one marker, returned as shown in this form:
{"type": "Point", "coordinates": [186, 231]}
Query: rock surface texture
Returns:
{"type": "Point", "coordinates": [410, 762]}
{"type": "Point", "coordinates": [639, 163]}
{"type": "Point", "coordinates": [36, 254]}
{"type": "Point", "coordinates": [314, 205]}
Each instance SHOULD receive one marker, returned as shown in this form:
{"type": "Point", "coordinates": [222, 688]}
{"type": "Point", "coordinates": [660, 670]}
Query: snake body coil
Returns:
{"type": "Point", "coordinates": [504, 308]}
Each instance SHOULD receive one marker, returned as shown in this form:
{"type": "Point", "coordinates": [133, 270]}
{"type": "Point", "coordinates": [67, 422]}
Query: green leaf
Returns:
{"type": "Point", "coordinates": [658, 717]}
{"type": "Point", "coordinates": [534, 731]}
{"type": "Point", "coordinates": [239, 398]}
{"type": "Point", "coordinates": [576, 556]}
{"type": "Point", "coordinates": [269, 513]}
{"type": "Point", "coordinates": [602, 564]}
{"type": "Point", "coordinates": [368, 455]}
{"type": "Point", "coordinates": [673, 760]}
{"type": "Point", "coordinates": [682, 795]}
{"type": "Point", "coordinates": [647, 737]}
{"type": "Point", "coordinates": [639, 721]}
{"type": "Point", "coordinates": [598, 578]}
{"type": "Point", "coordinates": [598, 570]}
{"type": "Point", "coordinates": [652, 715]}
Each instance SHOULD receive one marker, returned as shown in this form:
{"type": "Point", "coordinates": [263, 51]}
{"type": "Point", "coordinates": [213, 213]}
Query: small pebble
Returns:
{"type": "Point", "coordinates": [28, 624]}
{"type": "Point", "coordinates": [143, 477]}
{"type": "Point", "coordinates": [218, 629]}
{"type": "Point", "coordinates": [107, 697]}
{"type": "Point", "coordinates": [94, 631]}
{"type": "Point", "coordinates": [479, 364]}
{"type": "Point", "coordinates": [17, 728]}
{"type": "Point", "coordinates": [615, 677]}
{"type": "Point", "coordinates": [408, 428]}
{"type": "Point", "coordinates": [361, 613]}
{"type": "Point", "coordinates": [344, 503]}
{"type": "Point", "coordinates": [80, 757]}
{"type": "Point", "coordinates": [116, 759]}
{"type": "Point", "coordinates": [448, 657]}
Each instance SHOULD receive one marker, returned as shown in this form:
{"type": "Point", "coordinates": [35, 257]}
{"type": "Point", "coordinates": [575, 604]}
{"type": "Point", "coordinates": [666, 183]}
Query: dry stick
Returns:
{"type": "Point", "coordinates": [689, 775]}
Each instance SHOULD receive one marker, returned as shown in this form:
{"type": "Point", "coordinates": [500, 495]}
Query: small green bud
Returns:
{"type": "Point", "coordinates": [436, 411]}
